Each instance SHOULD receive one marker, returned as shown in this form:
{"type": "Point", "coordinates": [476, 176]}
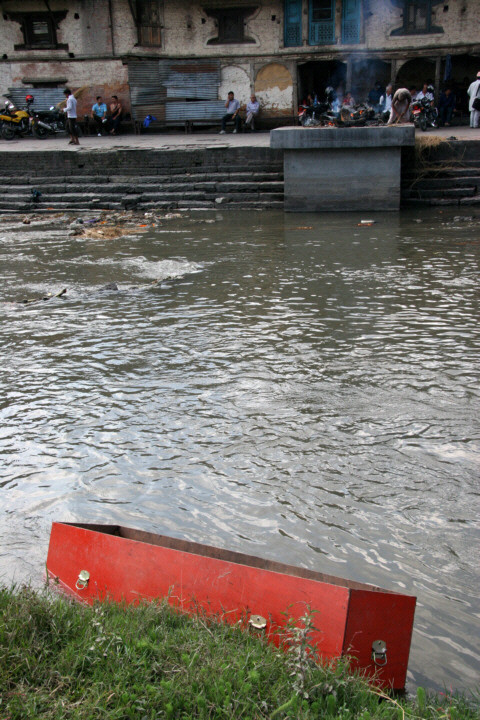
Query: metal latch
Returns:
{"type": "Point", "coordinates": [82, 580]}
{"type": "Point", "coordinates": [379, 652]}
{"type": "Point", "coordinates": [257, 622]}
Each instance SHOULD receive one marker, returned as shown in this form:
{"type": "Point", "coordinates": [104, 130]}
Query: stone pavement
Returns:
{"type": "Point", "coordinates": [179, 140]}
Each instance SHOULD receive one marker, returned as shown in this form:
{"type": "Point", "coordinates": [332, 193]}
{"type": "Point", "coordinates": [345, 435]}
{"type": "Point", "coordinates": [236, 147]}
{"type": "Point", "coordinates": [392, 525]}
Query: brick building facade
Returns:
{"type": "Point", "coordinates": [159, 55]}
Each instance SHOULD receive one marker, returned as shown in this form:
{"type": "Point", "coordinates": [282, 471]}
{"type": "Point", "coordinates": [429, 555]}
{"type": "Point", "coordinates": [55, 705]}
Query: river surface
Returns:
{"type": "Point", "coordinates": [301, 388]}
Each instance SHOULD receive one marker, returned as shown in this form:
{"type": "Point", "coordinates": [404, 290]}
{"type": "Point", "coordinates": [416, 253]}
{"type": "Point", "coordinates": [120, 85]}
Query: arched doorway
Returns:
{"type": "Point", "coordinates": [458, 74]}
{"type": "Point", "coordinates": [314, 76]}
{"type": "Point", "coordinates": [365, 73]}
{"type": "Point", "coordinates": [414, 73]}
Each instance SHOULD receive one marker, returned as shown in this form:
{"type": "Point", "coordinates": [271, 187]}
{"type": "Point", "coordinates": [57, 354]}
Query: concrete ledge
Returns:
{"type": "Point", "coordinates": [300, 138]}
{"type": "Point", "coordinates": [342, 169]}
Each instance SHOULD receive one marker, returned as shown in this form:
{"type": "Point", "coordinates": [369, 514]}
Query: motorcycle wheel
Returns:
{"type": "Point", "coordinates": [8, 133]}
{"type": "Point", "coordinates": [40, 132]}
{"type": "Point", "coordinates": [423, 124]}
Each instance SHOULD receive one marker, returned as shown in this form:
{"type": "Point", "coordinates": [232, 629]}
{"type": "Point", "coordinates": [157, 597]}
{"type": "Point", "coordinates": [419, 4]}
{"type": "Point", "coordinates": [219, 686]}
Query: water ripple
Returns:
{"type": "Point", "coordinates": [309, 396]}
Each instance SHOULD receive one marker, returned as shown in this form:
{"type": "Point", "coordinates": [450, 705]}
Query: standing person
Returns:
{"type": "Point", "coordinates": [115, 114]}
{"type": "Point", "coordinates": [233, 107]}
{"type": "Point", "coordinates": [99, 114]}
{"type": "Point", "coordinates": [71, 110]}
{"type": "Point", "coordinates": [446, 106]}
{"type": "Point", "coordinates": [400, 111]}
{"type": "Point", "coordinates": [252, 110]}
{"type": "Point", "coordinates": [474, 93]}
{"type": "Point", "coordinates": [385, 102]}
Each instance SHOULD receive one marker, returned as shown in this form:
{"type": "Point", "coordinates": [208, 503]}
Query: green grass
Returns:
{"type": "Point", "coordinates": [64, 660]}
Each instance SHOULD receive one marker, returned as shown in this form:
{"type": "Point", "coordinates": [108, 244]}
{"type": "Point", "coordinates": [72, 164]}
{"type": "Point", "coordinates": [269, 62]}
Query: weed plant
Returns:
{"type": "Point", "coordinates": [60, 660]}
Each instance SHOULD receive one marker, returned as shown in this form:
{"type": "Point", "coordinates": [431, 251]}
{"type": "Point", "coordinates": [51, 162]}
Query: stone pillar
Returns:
{"type": "Point", "coordinates": [438, 67]}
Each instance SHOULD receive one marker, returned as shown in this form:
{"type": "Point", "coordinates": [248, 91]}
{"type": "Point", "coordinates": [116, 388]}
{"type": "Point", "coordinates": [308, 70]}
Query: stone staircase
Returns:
{"type": "Point", "coordinates": [139, 180]}
{"type": "Point", "coordinates": [440, 186]}
{"type": "Point", "coordinates": [447, 173]}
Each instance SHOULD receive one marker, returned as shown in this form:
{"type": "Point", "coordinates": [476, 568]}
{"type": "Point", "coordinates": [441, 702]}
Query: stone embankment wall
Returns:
{"type": "Point", "coordinates": [248, 177]}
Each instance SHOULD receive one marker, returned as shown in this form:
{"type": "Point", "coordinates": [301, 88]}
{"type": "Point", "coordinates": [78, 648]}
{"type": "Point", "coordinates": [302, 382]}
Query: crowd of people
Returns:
{"type": "Point", "coordinates": [106, 120]}
{"type": "Point", "coordinates": [394, 107]}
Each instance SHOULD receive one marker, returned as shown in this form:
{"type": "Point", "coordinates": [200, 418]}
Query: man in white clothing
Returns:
{"type": "Point", "coordinates": [385, 102]}
{"type": "Point", "coordinates": [252, 110]}
{"type": "Point", "coordinates": [71, 110]}
{"type": "Point", "coordinates": [473, 93]}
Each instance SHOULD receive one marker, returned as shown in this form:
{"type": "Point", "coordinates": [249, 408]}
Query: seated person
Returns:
{"type": "Point", "coordinates": [115, 114]}
{"type": "Point", "coordinates": [252, 110]}
{"type": "Point", "coordinates": [99, 114]}
{"type": "Point", "coordinates": [426, 92]}
{"type": "Point", "coordinates": [232, 115]}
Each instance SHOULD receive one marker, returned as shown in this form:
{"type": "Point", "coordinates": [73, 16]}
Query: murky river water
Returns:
{"type": "Point", "coordinates": [306, 390]}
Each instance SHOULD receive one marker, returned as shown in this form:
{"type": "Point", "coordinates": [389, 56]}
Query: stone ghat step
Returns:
{"type": "Point", "coordinates": [138, 197]}
{"type": "Point", "coordinates": [120, 178]}
{"type": "Point", "coordinates": [140, 188]}
{"type": "Point", "coordinates": [453, 175]}
{"type": "Point", "coordinates": [440, 183]}
{"type": "Point", "coordinates": [441, 193]}
{"type": "Point", "coordinates": [418, 202]}
{"type": "Point", "coordinates": [138, 171]}
{"type": "Point", "coordinates": [259, 204]}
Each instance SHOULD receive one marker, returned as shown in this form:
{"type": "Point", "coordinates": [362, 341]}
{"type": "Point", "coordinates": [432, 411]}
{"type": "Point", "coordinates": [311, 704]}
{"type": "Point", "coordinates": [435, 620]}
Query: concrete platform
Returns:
{"type": "Point", "coordinates": [175, 140]}
{"type": "Point", "coordinates": [342, 169]}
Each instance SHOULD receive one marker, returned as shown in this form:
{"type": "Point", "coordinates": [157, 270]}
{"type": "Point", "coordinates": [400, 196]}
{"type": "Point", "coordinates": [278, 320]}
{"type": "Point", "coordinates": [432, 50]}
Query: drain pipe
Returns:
{"type": "Point", "coordinates": [112, 37]}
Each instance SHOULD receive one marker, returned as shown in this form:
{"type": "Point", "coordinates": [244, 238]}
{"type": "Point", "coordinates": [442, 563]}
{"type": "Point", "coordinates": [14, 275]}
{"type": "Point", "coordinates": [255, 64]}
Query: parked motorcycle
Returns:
{"type": "Point", "coordinates": [15, 122]}
{"type": "Point", "coordinates": [49, 122]}
{"type": "Point", "coordinates": [424, 115]}
{"type": "Point", "coordinates": [312, 115]}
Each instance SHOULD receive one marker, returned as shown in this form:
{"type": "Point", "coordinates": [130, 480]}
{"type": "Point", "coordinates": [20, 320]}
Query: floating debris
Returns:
{"type": "Point", "coordinates": [49, 296]}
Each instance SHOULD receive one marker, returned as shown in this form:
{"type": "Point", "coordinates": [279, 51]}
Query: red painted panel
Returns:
{"type": "Point", "coordinates": [380, 616]}
{"type": "Point", "coordinates": [349, 616]}
{"type": "Point", "coordinates": [130, 570]}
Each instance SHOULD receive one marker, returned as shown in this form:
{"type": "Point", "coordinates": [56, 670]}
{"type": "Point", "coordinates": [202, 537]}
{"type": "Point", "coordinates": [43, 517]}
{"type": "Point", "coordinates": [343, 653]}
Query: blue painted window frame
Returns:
{"type": "Point", "coordinates": [351, 20]}
{"type": "Point", "coordinates": [292, 30]}
{"type": "Point", "coordinates": [323, 32]}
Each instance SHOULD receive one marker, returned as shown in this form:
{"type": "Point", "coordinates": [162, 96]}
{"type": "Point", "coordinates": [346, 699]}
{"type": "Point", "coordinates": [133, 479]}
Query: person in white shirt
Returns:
{"type": "Point", "coordinates": [473, 93]}
{"type": "Point", "coordinates": [385, 102]}
{"type": "Point", "coordinates": [71, 110]}
{"type": "Point", "coordinates": [252, 111]}
{"type": "Point", "coordinates": [232, 114]}
{"type": "Point", "coordinates": [426, 92]}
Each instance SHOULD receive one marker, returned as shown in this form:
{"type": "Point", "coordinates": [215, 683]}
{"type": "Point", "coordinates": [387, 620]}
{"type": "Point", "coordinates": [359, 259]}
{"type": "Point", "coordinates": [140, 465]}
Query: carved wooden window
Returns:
{"type": "Point", "coordinates": [149, 25]}
{"type": "Point", "coordinates": [231, 24]}
{"type": "Point", "coordinates": [417, 17]}
{"type": "Point", "coordinates": [39, 30]}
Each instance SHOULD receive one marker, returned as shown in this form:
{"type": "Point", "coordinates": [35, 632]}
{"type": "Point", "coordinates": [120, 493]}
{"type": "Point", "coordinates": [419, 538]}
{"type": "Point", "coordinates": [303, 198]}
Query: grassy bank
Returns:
{"type": "Point", "coordinates": [62, 660]}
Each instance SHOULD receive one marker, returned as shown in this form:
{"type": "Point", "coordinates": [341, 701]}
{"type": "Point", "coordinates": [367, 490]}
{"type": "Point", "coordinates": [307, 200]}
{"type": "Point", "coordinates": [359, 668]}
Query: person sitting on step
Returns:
{"type": "Point", "coordinates": [252, 110]}
{"type": "Point", "coordinates": [232, 114]}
